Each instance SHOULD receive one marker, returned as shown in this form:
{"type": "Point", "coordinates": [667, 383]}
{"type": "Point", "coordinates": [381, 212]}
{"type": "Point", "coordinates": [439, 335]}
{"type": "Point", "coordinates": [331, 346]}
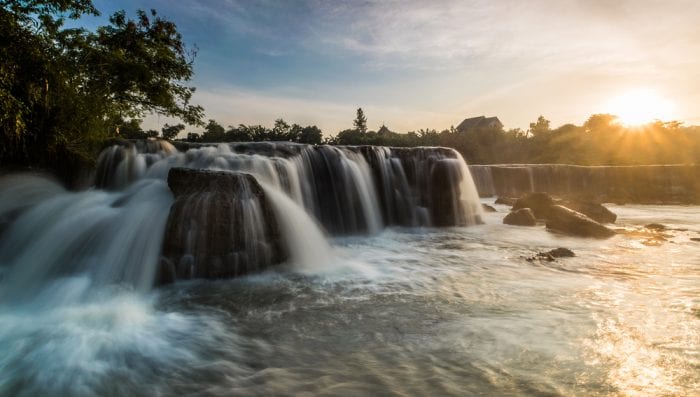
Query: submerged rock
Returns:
{"type": "Point", "coordinates": [521, 217]}
{"type": "Point", "coordinates": [553, 254]}
{"type": "Point", "coordinates": [560, 252]}
{"type": "Point", "coordinates": [655, 226]}
{"type": "Point", "coordinates": [568, 221]}
{"type": "Point", "coordinates": [220, 225]}
{"type": "Point", "coordinates": [487, 208]}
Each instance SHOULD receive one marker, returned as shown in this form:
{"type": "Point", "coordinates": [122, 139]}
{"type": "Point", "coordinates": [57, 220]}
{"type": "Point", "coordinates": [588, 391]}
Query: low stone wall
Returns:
{"type": "Point", "coordinates": [644, 184]}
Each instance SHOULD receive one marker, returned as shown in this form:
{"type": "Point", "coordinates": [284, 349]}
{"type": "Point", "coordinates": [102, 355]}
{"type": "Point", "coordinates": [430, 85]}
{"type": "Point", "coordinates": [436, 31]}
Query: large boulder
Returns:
{"type": "Point", "coordinates": [221, 225]}
{"type": "Point", "coordinates": [539, 203]}
{"type": "Point", "coordinates": [521, 217]}
{"type": "Point", "coordinates": [565, 220]}
{"type": "Point", "coordinates": [595, 211]}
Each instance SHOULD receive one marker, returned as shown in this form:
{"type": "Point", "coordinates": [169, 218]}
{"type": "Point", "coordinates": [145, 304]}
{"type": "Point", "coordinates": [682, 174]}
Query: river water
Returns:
{"type": "Point", "coordinates": [408, 312]}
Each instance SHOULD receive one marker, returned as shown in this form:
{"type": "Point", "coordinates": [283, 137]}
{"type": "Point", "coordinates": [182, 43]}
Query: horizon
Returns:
{"type": "Point", "coordinates": [417, 66]}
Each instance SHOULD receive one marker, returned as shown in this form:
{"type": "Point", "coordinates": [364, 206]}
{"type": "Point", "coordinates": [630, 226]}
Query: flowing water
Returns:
{"type": "Point", "coordinates": [404, 311]}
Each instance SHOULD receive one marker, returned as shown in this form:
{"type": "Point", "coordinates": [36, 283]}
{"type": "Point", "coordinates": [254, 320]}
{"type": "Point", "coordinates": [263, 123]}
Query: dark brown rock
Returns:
{"type": "Point", "coordinates": [539, 203]}
{"type": "Point", "coordinates": [562, 219]}
{"type": "Point", "coordinates": [553, 254]}
{"type": "Point", "coordinates": [521, 217]}
{"type": "Point", "coordinates": [506, 200]}
{"type": "Point", "coordinates": [561, 252]}
{"type": "Point", "coordinates": [595, 211]}
{"type": "Point", "coordinates": [655, 226]}
{"type": "Point", "coordinates": [221, 225]}
{"type": "Point", "coordinates": [488, 208]}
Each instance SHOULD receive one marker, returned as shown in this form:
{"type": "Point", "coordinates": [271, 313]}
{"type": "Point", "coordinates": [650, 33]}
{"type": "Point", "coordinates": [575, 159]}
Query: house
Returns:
{"type": "Point", "coordinates": [480, 123]}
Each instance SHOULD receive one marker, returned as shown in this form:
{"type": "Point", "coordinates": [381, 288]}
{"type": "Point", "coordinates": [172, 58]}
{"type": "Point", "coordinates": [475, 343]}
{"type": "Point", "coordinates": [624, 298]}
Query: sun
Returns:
{"type": "Point", "coordinates": [640, 107]}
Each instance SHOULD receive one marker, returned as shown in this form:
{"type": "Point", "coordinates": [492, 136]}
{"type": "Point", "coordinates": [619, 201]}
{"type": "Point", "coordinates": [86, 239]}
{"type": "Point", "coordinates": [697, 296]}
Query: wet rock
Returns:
{"type": "Point", "coordinates": [488, 208]}
{"type": "Point", "coordinates": [553, 254]}
{"type": "Point", "coordinates": [539, 203]}
{"type": "Point", "coordinates": [521, 217]}
{"type": "Point", "coordinates": [655, 226]}
{"type": "Point", "coordinates": [565, 220]}
{"type": "Point", "coordinates": [506, 200]}
{"type": "Point", "coordinates": [221, 225]}
{"type": "Point", "coordinates": [561, 252]}
{"type": "Point", "coordinates": [595, 211]}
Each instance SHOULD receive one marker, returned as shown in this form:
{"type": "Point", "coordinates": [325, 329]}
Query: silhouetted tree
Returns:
{"type": "Point", "coordinates": [170, 131]}
{"type": "Point", "coordinates": [213, 132]}
{"type": "Point", "coordinates": [540, 127]}
{"type": "Point", "coordinates": [360, 121]}
{"type": "Point", "coordinates": [311, 135]}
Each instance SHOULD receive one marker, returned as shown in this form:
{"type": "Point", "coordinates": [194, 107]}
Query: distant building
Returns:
{"type": "Point", "coordinates": [480, 123]}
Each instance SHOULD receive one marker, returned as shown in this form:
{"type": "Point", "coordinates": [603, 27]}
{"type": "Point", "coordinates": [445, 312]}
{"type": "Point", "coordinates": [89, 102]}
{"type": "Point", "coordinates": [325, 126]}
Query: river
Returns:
{"type": "Point", "coordinates": [409, 311]}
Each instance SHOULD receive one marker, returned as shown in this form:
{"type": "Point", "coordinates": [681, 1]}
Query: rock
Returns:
{"type": "Point", "coordinates": [220, 226]}
{"type": "Point", "coordinates": [506, 200]}
{"type": "Point", "coordinates": [695, 239]}
{"type": "Point", "coordinates": [567, 221]}
{"type": "Point", "coordinates": [561, 253]}
{"type": "Point", "coordinates": [655, 226]}
{"type": "Point", "coordinates": [539, 203]}
{"type": "Point", "coordinates": [553, 254]}
{"type": "Point", "coordinates": [488, 208]}
{"type": "Point", "coordinates": [521, 217]}
{"type": "Point", "coordinates": [595, 211]}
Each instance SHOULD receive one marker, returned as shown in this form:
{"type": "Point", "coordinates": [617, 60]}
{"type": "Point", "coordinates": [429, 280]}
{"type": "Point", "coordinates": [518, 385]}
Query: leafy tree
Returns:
{"type": "Point", "coordinates": [213, 132]}
{"type": "Point", "coordinates": [280, 132]}
{"type": "Point", "coordinates": [63, 91]}
{"type": "Point", "coordinates": [540, 127]}
{"type": "Point", "coordinates": [311, 135]}
{"type": "Point", "coordinates": [132, 130]}
{"type": "Point", "coordinates": [360, 121]}
{"type": "Point", "coordinates": [193, 137]}
{"type": "Point", "coordinates": [170, 132]}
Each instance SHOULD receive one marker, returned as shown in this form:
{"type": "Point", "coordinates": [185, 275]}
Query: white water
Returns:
{"type": "Point", "coordinates": [302, 236]}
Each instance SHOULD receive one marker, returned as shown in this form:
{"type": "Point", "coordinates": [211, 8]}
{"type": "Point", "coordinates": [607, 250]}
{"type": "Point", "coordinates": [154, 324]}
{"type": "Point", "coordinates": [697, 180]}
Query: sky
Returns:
{"type": "Point", "coordinates": [430, 64]}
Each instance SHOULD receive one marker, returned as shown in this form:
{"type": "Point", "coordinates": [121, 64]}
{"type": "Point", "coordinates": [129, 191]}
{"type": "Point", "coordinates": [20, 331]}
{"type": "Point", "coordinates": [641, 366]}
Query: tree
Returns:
{"type": "Point", "coordinates": [311, 135]}
{"type": "Point", "coordinates": [170, 131]}
{"type": "Point", "coordinates": [213, 132]}
{"type": "Point", "coordinates": [360, 121]}
{"type": "Point", "coordinates": [63, 91]}
{"type": "Point", "coordinates": [280, 132]}
{"type": "Point", "coordinates": [540, 127]}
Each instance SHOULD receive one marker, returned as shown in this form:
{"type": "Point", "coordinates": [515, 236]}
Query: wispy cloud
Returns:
{"type": "Point", "coordinates": [438, 61]}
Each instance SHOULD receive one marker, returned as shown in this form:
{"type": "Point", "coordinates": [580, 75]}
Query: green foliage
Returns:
{"type": "Point", "coordinates": [281, 131]}
{"type": "Point", "coordinates": [540, 127]}
{"type": "Point", "coordinates": [170, 131]}
{"type": "Point", "coordinates": [63, 91]}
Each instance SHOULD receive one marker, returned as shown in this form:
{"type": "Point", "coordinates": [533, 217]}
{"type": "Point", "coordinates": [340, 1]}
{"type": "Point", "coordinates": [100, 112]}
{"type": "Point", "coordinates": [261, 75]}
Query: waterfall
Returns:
{"type": "Point", "coordinates": [115, 232]}
{"type": "Point", "coordinates": [112, 237]}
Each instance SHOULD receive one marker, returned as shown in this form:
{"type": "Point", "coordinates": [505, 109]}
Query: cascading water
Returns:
{"type": "Point", "coordinates": [113, 237]}
{"type": "Point", "coordinates": [348, 190]}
